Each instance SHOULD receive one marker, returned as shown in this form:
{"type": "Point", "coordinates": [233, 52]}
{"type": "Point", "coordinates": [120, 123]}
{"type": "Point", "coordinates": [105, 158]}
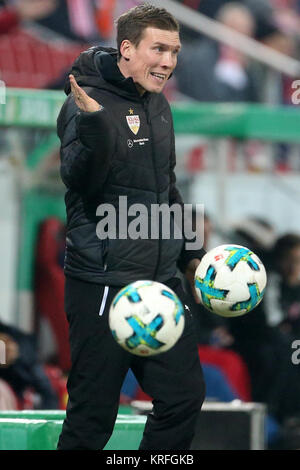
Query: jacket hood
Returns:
{"type": "Point", "coordinates": [97, 67]}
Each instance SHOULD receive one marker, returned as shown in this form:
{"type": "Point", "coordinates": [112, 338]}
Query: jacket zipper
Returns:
{"type": "Point", "coordinates": [156, 183]}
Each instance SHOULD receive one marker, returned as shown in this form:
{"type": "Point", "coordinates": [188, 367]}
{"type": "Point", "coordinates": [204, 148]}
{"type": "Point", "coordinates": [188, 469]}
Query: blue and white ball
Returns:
{"type": "Point", "coordinates": [230, 280]}
{"type": "Point", "coordinates": [146, 318]}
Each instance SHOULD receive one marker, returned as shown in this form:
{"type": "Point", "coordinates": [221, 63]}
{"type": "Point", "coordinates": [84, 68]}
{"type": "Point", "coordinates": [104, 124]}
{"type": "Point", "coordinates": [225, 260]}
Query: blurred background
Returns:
{"type": "Point", "coordinates": [235, 102]}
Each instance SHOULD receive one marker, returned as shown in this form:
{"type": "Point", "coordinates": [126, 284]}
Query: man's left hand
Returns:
{"type": "Point", "coordinates": [190, 275]}
{"type": "Point", "coordinates": [82, 99]}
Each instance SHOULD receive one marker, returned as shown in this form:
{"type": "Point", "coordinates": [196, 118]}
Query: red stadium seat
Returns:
{"type": "Point", "coordinates": [27, 61]}
{"type": "Point", "coordinates": [229, 363]}
{"type": "Point", "coordinates": [232, 366]}
{"type": "Point", "coordinates": [59, 384]}
{"type": "Point", "coordinates": [49, 286]}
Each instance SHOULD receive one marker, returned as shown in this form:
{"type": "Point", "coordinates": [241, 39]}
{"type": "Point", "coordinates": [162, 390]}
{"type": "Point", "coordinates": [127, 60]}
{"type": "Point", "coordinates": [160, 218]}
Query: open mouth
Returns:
{"type": "Point", "coordinates": [159, 77]}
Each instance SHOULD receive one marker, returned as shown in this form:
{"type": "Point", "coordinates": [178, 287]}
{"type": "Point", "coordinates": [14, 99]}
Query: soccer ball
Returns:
{"type": "Point", "coordinates": [230, 280]}
{"type": "Point", "coordinates": [146, 318]}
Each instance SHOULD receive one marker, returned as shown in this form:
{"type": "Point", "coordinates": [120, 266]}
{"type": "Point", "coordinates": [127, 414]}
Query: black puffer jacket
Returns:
{"type": "Point", "coordinates": [104, 157]}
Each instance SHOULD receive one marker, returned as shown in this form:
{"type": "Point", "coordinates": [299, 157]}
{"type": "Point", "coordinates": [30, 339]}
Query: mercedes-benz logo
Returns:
{"type": "Point", "coordinates": [129, 143]}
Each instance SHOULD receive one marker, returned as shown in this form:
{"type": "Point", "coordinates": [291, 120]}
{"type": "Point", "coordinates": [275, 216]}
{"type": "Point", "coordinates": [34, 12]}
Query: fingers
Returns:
{"type": "Point", "coordinates": [82, 100]}
{"type": "Point", "coordinates": [74, 85]}
{"type": "Point", "coordinates": [75, 88]}
{"type": "Point", "coordinates": [78, 93]}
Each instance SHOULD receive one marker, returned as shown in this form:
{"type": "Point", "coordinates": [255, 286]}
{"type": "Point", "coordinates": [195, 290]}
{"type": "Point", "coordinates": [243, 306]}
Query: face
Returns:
{"type": "Point", "coordinates": [152, 61]}
{"type": "Point", "coordinates": [11, 350]}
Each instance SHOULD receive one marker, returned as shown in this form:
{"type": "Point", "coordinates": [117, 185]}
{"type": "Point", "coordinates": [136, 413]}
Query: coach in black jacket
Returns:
{"type": "Point", "coordinates": [117, 148]}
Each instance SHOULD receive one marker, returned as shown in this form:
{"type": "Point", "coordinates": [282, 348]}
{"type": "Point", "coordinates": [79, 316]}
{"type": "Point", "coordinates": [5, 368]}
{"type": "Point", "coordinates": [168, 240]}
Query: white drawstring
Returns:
{"type": "Point", "coordinates": [104, 298]}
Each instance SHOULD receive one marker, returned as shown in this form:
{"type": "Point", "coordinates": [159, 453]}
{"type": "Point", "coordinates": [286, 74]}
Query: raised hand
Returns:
{"type": "Point", "coordinates": [82, 99]}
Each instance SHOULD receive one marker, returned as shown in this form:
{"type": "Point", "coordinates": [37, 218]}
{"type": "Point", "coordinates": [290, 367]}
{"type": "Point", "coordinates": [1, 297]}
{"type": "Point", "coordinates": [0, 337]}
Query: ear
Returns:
{"type": "Point", "coordinates": [126, 49]}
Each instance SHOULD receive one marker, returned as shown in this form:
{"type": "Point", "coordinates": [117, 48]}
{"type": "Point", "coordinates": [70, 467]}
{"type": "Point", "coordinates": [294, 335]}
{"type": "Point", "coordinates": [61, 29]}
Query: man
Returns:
{"type": "Point", "coordinates": [118, 140]}
{"type": "Point", "coordinates": [209, 71]}
{"type": "Point", "coordinates": [22, 370]}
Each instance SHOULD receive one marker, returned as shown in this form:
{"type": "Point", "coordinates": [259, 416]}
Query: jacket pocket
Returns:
{"type": "Point", "coordinates": [85, 250]}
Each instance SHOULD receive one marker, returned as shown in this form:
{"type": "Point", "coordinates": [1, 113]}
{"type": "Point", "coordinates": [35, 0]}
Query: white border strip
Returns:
{"type": "Point", "coordinates": [103, 303]}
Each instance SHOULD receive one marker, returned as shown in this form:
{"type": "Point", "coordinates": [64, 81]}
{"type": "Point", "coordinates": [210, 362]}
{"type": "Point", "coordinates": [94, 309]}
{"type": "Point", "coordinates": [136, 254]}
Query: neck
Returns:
{"type": "Point", "coordinates": [122, 64]}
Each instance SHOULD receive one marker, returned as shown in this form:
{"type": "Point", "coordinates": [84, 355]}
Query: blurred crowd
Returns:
{"type": "Point", "coordinates": [207, 70]}
{"type": "Point", "coordinates": [264, 338]}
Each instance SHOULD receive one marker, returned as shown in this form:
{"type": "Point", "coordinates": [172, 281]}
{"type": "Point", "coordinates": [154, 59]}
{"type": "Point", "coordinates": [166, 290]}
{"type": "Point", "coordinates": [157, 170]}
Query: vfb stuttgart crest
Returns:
{"type": "Point", "coordinates": [133, 123]}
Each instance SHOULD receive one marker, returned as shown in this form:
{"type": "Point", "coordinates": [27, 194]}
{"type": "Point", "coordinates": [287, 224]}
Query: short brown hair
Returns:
{"type": "Point", "coordinates": [131, 25]}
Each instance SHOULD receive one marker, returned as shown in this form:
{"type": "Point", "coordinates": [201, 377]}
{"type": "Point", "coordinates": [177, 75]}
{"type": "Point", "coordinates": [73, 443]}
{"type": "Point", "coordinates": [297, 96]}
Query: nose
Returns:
{"type": "Point", "coordinates": [168, 60]}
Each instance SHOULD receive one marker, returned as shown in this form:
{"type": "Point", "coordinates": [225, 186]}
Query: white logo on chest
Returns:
{"type": "Point", "coordinates": [133, 123]}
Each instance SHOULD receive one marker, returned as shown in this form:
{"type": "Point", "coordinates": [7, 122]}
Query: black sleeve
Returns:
{"type": "Point", "coordinates": [87, 144]}
{"type": "Point", "coordinates": [175, 197]}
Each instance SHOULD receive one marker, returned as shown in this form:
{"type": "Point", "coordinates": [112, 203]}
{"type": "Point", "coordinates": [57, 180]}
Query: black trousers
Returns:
{"type": "Point", "coordinates": [99, 365]}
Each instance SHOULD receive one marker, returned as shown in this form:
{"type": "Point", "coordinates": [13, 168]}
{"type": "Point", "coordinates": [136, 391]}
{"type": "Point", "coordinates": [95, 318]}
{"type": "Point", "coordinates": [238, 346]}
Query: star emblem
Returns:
{"type": "Point", "coordinates": [130, 111]}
